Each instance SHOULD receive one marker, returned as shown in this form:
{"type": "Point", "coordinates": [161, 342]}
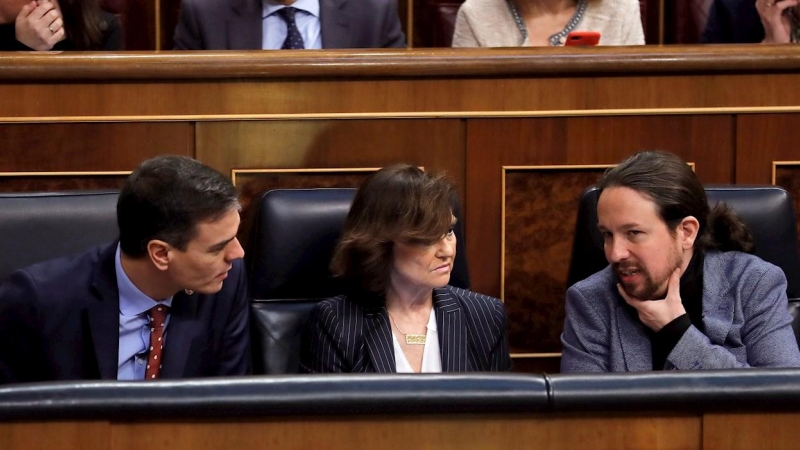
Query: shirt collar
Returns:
{"type": "Point", "coordinates": [132, 301]}
{"type": "Point", "coordinates": [309, 6]}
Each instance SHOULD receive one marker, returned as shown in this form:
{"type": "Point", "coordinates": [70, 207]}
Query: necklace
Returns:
{"type": "Point", "coordinates": [555, 39]}
{"type": "Point", "coordinates": [411, 339]}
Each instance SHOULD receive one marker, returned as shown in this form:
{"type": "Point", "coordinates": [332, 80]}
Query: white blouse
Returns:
{"type": "Point", "coordinates": [431, 358]}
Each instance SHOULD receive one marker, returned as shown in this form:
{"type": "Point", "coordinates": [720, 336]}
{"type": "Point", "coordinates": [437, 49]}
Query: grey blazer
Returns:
{"type": "Point", "coordinates": [236, 24]}
{"type": "Point", "coordinates": [346, 335]}
{"type": "Point", "coordinates": [744, 312]}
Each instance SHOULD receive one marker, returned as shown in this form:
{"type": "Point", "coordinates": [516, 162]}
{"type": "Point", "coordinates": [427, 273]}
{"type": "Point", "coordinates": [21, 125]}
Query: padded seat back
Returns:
{"type": "Point", "coordinates": [292, 241]}
{"type": "Point", "coordinates": [38, 226]}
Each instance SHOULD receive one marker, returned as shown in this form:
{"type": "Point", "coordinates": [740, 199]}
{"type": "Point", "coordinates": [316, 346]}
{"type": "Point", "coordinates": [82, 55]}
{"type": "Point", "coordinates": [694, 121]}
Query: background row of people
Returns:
{"type": "Point", "coordinates": [317, 24]}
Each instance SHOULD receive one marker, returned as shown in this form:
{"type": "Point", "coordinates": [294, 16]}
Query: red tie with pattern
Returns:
{"type": "Point", "coordinates": [158, 318]}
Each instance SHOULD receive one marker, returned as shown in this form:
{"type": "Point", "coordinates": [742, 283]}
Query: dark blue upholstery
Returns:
{"type": "Point", "coordinates": [38, 226]}
{"type": "Point", "coordinates": [424, 396]}
{"type": "Point", "coordinates": [292, 240]}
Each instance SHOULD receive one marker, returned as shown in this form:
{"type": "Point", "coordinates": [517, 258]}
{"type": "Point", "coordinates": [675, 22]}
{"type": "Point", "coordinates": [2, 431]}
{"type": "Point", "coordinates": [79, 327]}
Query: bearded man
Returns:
{"type": "Point", "coordinates": [681, 291]}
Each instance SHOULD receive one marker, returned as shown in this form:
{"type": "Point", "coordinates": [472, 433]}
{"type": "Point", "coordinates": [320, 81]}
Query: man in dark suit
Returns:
{"type": "Point", "coordinates": [168, 300]}
{"type": "Point", "coordinates": [288, 24]}
{"type": "Point", "coordinates": [751, 21]}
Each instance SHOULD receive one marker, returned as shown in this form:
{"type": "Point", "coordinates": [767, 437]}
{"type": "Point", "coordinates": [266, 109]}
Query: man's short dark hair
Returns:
{"type": "Point", "coordinates": [165, 198]}
{"type": "Point", "coordinates": [399, 203]}
{"type": "Point", "coordinates": [666, 180]}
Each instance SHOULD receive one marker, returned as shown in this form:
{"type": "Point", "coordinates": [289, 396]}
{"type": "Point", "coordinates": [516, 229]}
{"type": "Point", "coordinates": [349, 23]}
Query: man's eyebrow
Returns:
{"type": "Point", "coordinates": [220, 245]}
{"type": "Point", "coordinates": [625, 226]}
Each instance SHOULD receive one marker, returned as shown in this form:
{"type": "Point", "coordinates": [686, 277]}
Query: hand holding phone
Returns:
{"type": "Point", "coordinates": [583, 38]}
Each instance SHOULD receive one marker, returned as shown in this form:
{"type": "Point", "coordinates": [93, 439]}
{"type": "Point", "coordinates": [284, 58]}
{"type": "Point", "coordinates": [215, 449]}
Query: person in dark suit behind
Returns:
{"type": "Point", "coordinates": [400, 315]}
{"type": "Point", "coordinates": [168, 300]}
{"type": "Point", "coordinates": [681, 291]}
{"type": "Point", "coordinates": [752, 21]}
{"type": "Point", "coordinates": [287, 24]}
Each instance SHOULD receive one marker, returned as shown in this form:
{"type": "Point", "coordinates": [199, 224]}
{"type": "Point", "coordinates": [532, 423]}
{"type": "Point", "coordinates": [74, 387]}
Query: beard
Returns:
{"type": "Point", "coordinates": [651, 286]}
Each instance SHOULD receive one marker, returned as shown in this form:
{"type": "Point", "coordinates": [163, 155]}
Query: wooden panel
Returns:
{"type": "Point", "coordinates": [339, 144]}
{"type": "Point", "coordinates": [539, 206]}
{"type": "Point", "coordinates": [493, 143]}
{"type": "Point", "coordinates": [139, 24]}
{"type": "Point", "coordinates": [774, 431]}
{"type": "Point", "coordinates": [662, 63]}
{"type": "Point", "coordinates": [169, 12]}
{"type": "Point", "coordinates": [394, 97]}
{"type": "Point", "coordinates": [427, 432]}
{"type": "Point", "coordinates": [60, 182]}
{"type": "Point", "coordinates": [57, 147]}
{"type": "Point", "coordinates": [787, 176]}
{"type": "Point", "coordinates": [55, 435]}
{"type": "Point", "coordinates": [535, 365]}
{"type": "Point", "coordinates": [762, 139]}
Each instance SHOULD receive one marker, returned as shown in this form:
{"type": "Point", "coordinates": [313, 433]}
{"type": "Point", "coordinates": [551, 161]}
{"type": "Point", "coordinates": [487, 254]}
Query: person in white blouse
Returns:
{"type": "Point", "coordinates": [396, 255]}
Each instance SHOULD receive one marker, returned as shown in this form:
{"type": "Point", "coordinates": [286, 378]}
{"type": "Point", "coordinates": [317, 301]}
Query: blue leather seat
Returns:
{"type": "Point", "coordinates": [38, 226]}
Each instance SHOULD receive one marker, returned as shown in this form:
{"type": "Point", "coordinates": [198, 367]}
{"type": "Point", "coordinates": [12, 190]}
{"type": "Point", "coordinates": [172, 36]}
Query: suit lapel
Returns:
{"type": "Point", "coordinates": [636, 347]}
{"type": "Point", "coordinates": [452, 331]}
{"type": "Point", "coordinates": [182, 331]}
{"type": "Point", "coordinates": [103, 315]}
{"type": "Point", "coordinates": [244, 29]}
{"type": "Point", "coordinates": [335, 23]}
{"type": "Point", "coordinates": [717, 307]}
{"type": "Point", "coordinates": [378, 337]}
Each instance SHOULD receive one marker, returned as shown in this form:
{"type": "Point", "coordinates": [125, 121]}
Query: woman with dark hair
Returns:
{"type": "Point", "coordinates": [395, 255]}
{"type": "Point", "coordinates": [57, 25]}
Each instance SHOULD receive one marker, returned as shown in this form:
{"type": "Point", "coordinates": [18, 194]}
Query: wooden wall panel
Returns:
{"type": "Point", "coordinates": [762, 139]}
{"type": "Point", "coordinates": [539, 205]}
{"type": "Point", "coordinates": [59, 147]}
{"type": "Point", "coordinates": [437, 145]}
{"type": "Point", "coordinates": [67, 182]}
{"type": "Point", "coordinates": [140, 22]}
{"type": "Point", "coordinates": [428, 432]}
{"type": "Point", "coordinates": [393, 97]}
{"type": "Point", "coordinates": [494, 143]}
{"type": "Point", "coordinates": [55, 435]}
{"type": "Point", "coordinates": [774, 431]}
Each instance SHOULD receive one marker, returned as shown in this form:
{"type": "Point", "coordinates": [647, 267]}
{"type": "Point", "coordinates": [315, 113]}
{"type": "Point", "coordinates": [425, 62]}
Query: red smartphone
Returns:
{"type": "Point", "coordinates": [583, 38]}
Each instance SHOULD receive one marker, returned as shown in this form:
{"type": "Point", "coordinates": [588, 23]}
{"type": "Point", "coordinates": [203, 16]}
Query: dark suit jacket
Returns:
{"type": "Point", "coordinates": [733, 21]}
{"type": "Point", "coordinates": [236, 24]}
{"type": "Point", "coordinates": [347, 335]}
{"type": "Point", "coordinates": [59, 320]}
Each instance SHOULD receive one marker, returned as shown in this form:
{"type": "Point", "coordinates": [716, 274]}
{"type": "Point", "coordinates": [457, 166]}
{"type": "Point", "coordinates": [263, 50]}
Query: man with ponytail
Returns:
{"type": "Point", "coordinates": [681, 290]}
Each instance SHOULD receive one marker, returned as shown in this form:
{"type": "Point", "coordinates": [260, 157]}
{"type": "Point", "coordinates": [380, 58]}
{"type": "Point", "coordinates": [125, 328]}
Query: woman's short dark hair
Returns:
{"type": "Point", "coordinates": [165, 198]}
{"type": "Point", "coordinates": [399, 203]}
{"type": "Point", "coordinates": [666, 180]}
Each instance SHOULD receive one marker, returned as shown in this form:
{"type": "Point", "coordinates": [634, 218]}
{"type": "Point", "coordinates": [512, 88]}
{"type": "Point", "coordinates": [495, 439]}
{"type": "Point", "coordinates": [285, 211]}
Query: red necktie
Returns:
{"type": "Point", "coordinates": [158, 318]}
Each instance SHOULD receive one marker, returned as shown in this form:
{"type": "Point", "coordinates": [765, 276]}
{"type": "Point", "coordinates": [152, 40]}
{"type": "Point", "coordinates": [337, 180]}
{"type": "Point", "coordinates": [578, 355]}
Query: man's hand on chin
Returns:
{"type": "Point", "coordinates": [655, 314]}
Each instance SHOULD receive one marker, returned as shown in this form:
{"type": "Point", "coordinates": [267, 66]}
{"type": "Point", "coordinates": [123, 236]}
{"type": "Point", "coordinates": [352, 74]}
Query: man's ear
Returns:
{"type": "Point", "coordinates": [688, 229]}
{"type": "Point", "coordinates": [158, 251]}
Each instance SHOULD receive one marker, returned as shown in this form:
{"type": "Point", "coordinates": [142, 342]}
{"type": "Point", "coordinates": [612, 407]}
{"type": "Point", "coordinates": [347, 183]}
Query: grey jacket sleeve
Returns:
{"type": "Point", "coordinates": [766, 334]}
{"type": "Point", "coordinates": [585, 337]}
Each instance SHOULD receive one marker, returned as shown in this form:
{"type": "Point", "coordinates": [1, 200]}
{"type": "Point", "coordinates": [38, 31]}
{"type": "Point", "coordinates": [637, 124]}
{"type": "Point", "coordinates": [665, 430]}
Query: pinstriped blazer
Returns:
{"type": "Point", "coordinates": [348, 335]}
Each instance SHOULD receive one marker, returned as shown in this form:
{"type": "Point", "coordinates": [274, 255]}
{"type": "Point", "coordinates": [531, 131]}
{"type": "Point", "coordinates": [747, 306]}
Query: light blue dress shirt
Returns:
{"type": "Point", "coordinates": [306, 18]}
{"type": "Point", "coordinates": [134, 326]}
